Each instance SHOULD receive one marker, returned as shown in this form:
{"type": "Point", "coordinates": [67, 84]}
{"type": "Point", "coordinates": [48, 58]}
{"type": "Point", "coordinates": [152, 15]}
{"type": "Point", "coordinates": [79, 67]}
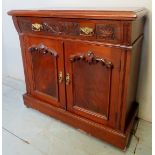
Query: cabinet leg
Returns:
{"type": "Point", "coordinates": [124, 150]}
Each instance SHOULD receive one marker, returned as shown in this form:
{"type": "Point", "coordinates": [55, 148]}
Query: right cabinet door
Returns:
{"type": "Point", "coordinates": [92, 81]}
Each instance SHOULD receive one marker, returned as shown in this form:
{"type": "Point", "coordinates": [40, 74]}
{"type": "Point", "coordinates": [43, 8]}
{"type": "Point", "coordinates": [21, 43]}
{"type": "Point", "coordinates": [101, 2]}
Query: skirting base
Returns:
{"type": "Point", "coordinates": [102, 132]}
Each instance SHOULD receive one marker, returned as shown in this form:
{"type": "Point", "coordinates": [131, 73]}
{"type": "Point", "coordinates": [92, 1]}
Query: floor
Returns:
{"type": "Point", "coordinates": [29, 132]}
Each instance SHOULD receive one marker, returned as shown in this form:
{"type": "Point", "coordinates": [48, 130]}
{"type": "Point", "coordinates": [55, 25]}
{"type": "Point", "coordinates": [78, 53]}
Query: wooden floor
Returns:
{"type": "Point", "coordinates": [29, 132]}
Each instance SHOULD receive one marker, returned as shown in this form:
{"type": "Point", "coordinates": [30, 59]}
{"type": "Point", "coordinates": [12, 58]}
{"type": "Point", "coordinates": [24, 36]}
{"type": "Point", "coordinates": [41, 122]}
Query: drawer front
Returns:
{"type": "Point", "coordinates": [100, 30]}
{"type": "Point", "coordinates": [109, 32]}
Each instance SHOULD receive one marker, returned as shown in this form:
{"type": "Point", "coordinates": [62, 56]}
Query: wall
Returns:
{"type": "Point", "coordinates": [12, 63]}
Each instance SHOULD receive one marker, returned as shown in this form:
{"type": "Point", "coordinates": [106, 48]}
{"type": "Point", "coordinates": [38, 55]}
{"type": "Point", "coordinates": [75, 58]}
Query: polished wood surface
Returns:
{"type": "Point", "coordinates": [107, 31]}
{"type": "Point", "coordinates": [101, 30]}
{"type": "Point", "coordinates": [93, 85]}
{"type": "Point", "coordinates": [108, 13]}
{"type": "Point", "coordinates": [43, 66]}
{"type": "Point", "coordinates": [112, 136]}
{"type": "Point", "coordinates": [82, 67]}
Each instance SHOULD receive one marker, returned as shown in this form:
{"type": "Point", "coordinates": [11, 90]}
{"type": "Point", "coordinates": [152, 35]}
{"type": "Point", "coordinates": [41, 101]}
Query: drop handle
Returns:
{"type": "Point", "coordinates": [60, 77]}
{"type": "Point", "coordinates": [37, 27]}
{"type": "Point", "coordinates": [87, 31]}
{"type": "Point", "coordinates": [67, 79]}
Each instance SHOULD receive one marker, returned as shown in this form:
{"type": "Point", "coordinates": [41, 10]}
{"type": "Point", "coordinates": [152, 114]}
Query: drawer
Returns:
{"type": "Point", "coordinates": [99, 30]}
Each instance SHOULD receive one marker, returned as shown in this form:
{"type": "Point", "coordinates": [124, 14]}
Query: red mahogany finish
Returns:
{"type": "Point", "coordinates": [81, 67]}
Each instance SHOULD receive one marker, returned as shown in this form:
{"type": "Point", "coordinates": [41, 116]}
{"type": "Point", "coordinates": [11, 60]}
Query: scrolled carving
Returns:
{"type": "Point", "coordinates": [54, 28]}
{"type": "Point", "coordinates": [105, 31]}
{"type": "Point", "coordinates": [90, 58]}
{"type": "Point", "coordinates": [41, 48]}
{"type": "Point", "coordinates": [61, 28]}
{"type": "Point", "coordinates": [49, 26]}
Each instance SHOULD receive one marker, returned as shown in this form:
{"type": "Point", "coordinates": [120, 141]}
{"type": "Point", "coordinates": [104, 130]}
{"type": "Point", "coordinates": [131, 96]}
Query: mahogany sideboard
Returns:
{"type": "Point", "coordinates": [81, 67]}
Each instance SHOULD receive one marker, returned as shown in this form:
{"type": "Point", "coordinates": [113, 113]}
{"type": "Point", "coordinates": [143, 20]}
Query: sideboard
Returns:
{"type": "Point", "coordinates": [82, 66]}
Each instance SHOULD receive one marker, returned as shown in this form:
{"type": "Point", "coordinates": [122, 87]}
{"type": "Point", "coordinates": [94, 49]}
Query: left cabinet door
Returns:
{"type": "Point", "coordinates": [44, 67]}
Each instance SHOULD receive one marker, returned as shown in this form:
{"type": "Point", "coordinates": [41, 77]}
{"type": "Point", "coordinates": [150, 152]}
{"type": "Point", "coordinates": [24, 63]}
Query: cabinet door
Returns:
{"type": "Point", "coordinates": [92, 81]}
{"type": "Point", "coordinates": [45, 67]}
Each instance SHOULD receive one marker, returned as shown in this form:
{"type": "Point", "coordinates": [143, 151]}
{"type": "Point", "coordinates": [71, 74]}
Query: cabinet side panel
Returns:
{"type": "Point", "coordinates": [137, 28]}
{"type": "Point", "coordinates": [15, 21]}
{"type": "Point", "coordinates": [130, 83]}
{"type": "Point", "coordinates": [133, 79]}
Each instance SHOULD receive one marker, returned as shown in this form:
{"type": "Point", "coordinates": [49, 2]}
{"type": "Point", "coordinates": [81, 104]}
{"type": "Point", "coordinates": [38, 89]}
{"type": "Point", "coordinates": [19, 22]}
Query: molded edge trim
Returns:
{"type": "Point", "coordinates": [88, 14]}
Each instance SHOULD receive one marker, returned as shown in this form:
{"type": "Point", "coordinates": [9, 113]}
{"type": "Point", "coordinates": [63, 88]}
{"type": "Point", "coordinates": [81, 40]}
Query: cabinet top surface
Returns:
{"type": "Point", "coordinates": [106, 13]}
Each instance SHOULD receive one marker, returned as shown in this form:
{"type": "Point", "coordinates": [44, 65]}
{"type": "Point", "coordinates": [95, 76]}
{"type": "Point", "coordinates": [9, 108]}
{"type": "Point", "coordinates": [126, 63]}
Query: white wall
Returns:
{"type": "Point", "coordinates": [12, 63]}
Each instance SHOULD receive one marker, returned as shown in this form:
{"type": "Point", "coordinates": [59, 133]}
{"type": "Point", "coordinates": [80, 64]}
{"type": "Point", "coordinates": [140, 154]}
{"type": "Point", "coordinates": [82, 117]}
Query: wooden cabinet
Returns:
{"type": "Point", "coordinates": [81, 67]}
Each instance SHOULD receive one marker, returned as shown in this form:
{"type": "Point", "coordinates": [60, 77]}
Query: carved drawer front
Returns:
{"type": "Point", "coordinates": [100, 30]}
{"type": "Point", "coordinates": [109, 31]}
{"type": "Point", "coordinates": [48, 26]}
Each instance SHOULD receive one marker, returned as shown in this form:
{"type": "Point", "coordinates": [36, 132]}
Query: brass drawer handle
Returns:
{"type": "Point", "coordinates": [67, 79]}
{"type": "Point", "coordinates": [60, 77]}
{"type": "Point", "coordinates": [86, 31]}
{"type": "Point", "coordinates": [36, 27]}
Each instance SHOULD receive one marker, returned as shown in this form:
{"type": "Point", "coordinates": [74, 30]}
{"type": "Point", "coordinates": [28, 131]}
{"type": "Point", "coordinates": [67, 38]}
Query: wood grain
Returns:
{"type": "Point", "coordinates": [82, 67]}
{"type": "Point", "coordinates": [111, 13]}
